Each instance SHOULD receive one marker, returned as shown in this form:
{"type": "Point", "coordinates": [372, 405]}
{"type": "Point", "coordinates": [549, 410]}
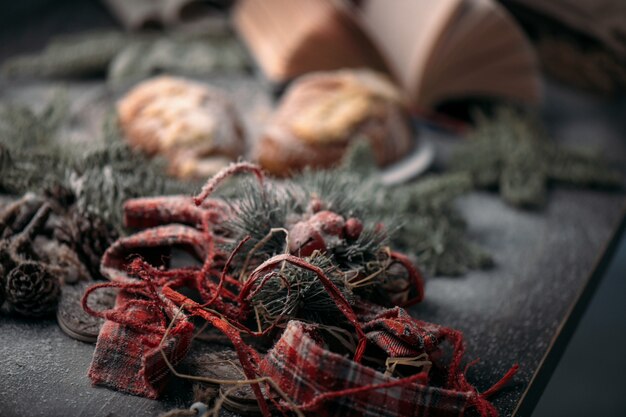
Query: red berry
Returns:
{"type": "Point", "coordinates": [304, 240]}
{"type": "Point", "coordinates": [328, 222]}
{"type": "Point", "coordinates": [353, 228]}
{"type": "Point", "coordinates": [316, 205]}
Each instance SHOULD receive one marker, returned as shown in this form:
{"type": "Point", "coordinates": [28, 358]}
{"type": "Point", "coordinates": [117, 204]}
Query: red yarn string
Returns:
{"type": "Point", "coordinates": [254, 291]}
{"type": "Point", "coordinates": [333, 292]}
{"type": "Point", "coordinates": [247, 356]}
{"type": "Point", "coordinates": [479, 400]}
{"type": "Point", "coordinates": [101, 314]}
{"type": "Point", "coordinates": [218, 291]}
{"type": "Point", "coordinates": [275, 323]}
{"type": "Point", "coordinates": [502, 382]}
{"type": "Point", "coordinates": [136, 269]}
{"type": "Point", "coordinates": [422, 377]}
{"type": "Point", "coordinates": [414, 275]}
{"type": "Point", "coordinates": [205, 285]}
{"type": "Point", "coordinates": [218, 178]}
{"type": "Point", "coordinates": [458, 349]}
{"type": "Point", "coordinates": [210, 256]}
{"type": "Point", "coordinates": [456, 379]}
{"type": "Point", "coordinates": [209, 213]}
{"type": "Point", "coordinates": [121, 316]}
{"type": "Point", "coordinates": [190, 277]}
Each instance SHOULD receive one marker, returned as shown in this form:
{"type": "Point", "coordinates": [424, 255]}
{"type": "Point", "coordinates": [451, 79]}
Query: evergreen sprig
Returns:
{"type": "Point", "coordinates": [298, 293]}
{"type": "Point", "coordinates": [101, 177]}
{"type": "Point", "coordinates": [125, 57]}
{"type": "Point", "coordinates": [31, 159]}
{"type": "Point", "coordinates": [512, 153]}
{"type": "Point", "coordinates": [418, 218]}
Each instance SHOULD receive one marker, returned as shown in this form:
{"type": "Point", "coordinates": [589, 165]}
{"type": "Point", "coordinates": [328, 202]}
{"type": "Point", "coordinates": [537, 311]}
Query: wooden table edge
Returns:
{"type": "Point", "coordinates": [531, 395]}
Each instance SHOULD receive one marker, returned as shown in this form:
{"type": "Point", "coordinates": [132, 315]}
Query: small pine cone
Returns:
{"type": "Point", "coordinates": [89, 236]}
{"type": "Point", "coordinates": [31, 290]}
{"type": "Point", "coordinates": [2, 272]}
{"type": "Point", "coordinates": [6, 264]}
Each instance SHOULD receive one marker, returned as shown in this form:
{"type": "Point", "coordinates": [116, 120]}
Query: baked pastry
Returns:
{"type": "Point", "coordinates": [322, 113]}
{"type": "Point", "coordinates": [191, 124]}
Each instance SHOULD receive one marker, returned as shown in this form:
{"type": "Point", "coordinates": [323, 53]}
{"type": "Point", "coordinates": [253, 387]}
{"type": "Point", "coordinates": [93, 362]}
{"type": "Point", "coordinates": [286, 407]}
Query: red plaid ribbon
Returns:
{"type": "Point", "coordinates": [127, 356]}
{"type": "Point", "coordinates": [327, 384]}
{"type": "Point", "coordinates": [324, 383]}
{"type": "Point", "coordinates": [320, 382]}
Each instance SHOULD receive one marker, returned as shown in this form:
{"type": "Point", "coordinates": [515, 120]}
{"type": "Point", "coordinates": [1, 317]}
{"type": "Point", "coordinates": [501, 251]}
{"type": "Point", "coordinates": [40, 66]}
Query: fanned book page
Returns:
{"type": "Point", "coordinates": [292, 37]}
{"type": "Point", "coordinates": [437, 51]}
{"type": "Point", "coordinates": [407, 33]}
{"type": "Point", "coordinates": [453, 49]}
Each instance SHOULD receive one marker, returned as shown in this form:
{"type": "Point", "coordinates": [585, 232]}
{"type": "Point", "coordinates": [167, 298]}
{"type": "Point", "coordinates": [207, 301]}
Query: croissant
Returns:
{"type": "Point", "coordinates": [322, 113]}
{"type": "Point", "coordinates": [194, 126]}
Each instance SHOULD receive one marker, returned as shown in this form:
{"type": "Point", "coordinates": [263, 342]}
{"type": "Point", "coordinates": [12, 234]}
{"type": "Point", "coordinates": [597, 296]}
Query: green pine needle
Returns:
{"type": "Point", "coordinates": [101, 178]}
{"type": "Point", "coordinates": [513, 153]}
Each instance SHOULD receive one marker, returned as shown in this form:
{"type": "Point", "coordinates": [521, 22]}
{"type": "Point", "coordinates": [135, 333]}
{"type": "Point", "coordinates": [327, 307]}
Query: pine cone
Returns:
{"type": "Point", "coordinates": [6, 264]}
{"type": "Point", "coordinates": [31, 290]}
{"type": "Point", "coordinates": [2, 272]}
{"type": "Point", "coordinates": [89, 236]}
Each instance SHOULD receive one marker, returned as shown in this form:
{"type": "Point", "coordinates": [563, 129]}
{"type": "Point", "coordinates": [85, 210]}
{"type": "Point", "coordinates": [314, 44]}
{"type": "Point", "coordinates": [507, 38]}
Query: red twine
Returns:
{"type": "Point", "coordinates": [134, 329]}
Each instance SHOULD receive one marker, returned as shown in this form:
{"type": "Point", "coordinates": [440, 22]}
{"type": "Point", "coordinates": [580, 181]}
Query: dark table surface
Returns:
{"type": "Point", "coordinates": [522, 311]}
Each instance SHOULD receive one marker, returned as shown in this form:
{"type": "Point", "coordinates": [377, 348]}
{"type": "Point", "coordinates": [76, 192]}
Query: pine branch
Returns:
{"type": "Point", "coordinates": [101, 178]}
{"type": "Point", "coordinates": [70, 56]}
{"type": "Point", "coordinates": [419, 217]}
{"type": "Point", "coordinates": [124, 57]}
{"type": "Point", "coordinates": [298, 293]}
{"type": "Point", "coordinates": [513, 153]}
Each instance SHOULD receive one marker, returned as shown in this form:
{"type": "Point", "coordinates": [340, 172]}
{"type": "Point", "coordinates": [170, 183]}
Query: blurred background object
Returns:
{"type": "Point", "coordinates": [453, 50]}
{"type": "Point", "coordinates": [582, 43]}
{"type": "Point", "coordinates": [151, 14]}
{"type": "Point", "coordinates": [291, 38]}
{"type": "Point", "coordinates": [438, 52]}
{"type": "Point", "coordinates": [193, 125]}
{"type": "Point", "coordinates": [324, 112]}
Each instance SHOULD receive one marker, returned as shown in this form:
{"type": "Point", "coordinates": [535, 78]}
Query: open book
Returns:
{"type": "Point", "coordinates": [437, 51]}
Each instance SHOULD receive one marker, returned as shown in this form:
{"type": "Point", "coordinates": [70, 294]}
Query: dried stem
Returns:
{"type": "Point", "coordinates": [217, 381]}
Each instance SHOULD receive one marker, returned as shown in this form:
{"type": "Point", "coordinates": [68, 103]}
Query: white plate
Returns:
{"type": "Point", "coordinates": [412, 166]}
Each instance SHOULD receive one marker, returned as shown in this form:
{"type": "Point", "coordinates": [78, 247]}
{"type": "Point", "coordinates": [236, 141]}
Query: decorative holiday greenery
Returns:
{"type": "Point", "coordinates": [271, 215]}
{"type": "Point", "coordinates": [99, 177]}
{"type": "Point", "coordinates": [298, 293]}
{"type": "Point", "coordinates": [85, 188]}
{"type": "Point", "coordinates": [69, 56]}
{"type": "Point", "coordinates": [419, 218]}
{"type": "Point", "coordinates": [511, 152]}
{"type": "Point", "coordinates": [191, 55]}
{"type": "Point", "coordinates": [29, 159]}
{"type": "Point", "coordinates": [124, 57]}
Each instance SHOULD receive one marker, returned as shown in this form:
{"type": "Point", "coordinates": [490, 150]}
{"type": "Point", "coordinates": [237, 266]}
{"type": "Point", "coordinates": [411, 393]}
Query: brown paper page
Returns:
{"type": "Point", "coordinates": [407, 32]}
{"type": "Point", "coordinates": [482, 60]}
{"type": "Point", "coordinates": [289, 38]}
{"type": "Point", "coordinates": [604, 20]}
